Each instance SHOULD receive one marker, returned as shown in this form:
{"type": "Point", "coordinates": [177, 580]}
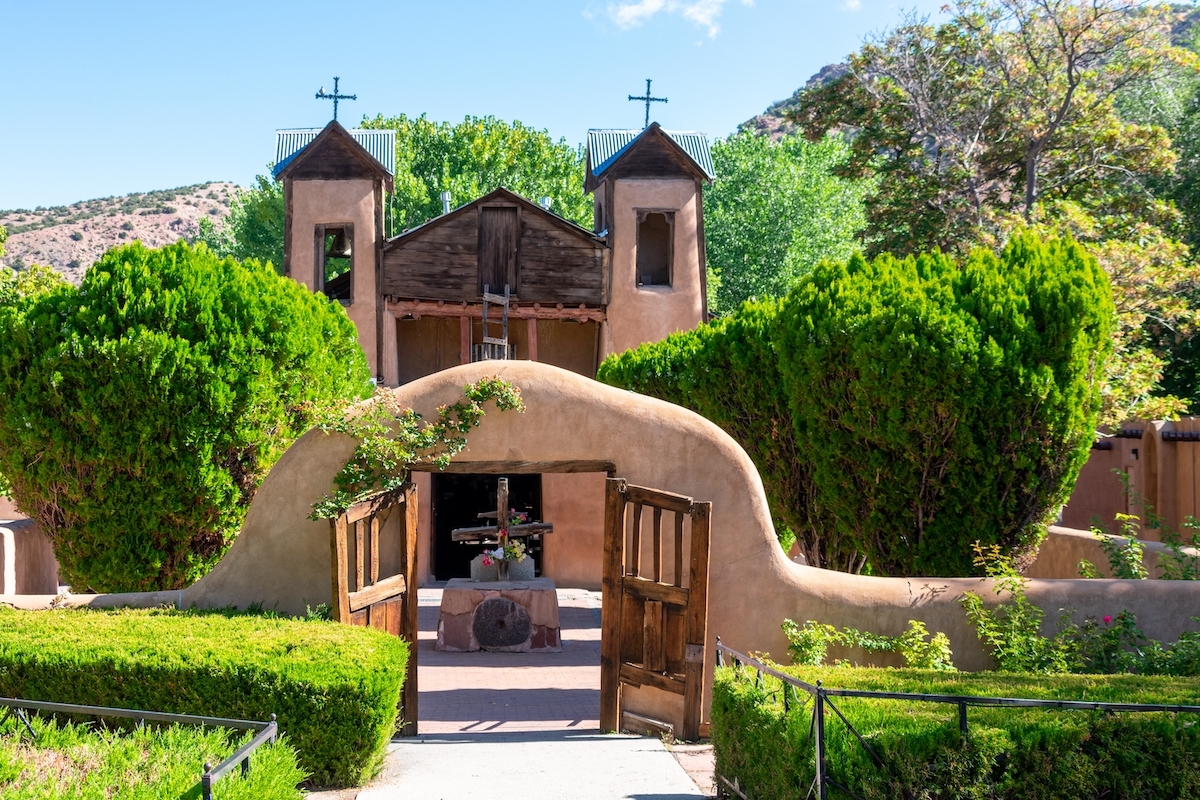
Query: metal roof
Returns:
{"type": "Point", "coordinates": [379, 143]}
{"type": "Point", "coordinates": [605, 145]}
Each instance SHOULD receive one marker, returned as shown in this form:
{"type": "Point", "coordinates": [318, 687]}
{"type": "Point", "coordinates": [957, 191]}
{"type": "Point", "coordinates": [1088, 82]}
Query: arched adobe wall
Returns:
{"type": "Point", "coordinates": [281, 558]}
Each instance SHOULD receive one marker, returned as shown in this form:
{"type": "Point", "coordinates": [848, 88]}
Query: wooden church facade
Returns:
{"type": "Point", "coordinates": [570, 296]}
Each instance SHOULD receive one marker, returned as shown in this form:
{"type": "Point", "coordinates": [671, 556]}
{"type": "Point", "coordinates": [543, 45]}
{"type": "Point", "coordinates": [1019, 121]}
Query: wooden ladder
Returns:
{"type": "Point", "coordinates": [494, 348]}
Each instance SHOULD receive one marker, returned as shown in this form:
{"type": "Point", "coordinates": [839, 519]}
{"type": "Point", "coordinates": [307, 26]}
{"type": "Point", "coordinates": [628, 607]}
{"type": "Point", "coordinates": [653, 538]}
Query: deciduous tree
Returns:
{"type": "Point", "coordinates": [775, 210]}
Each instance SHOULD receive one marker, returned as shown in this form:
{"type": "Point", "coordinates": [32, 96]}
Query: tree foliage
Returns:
{"type": "Point", "coordinates": [775, 210]}
{"type": "Point", "coordinates": [139, 412]}
{"type": "Point", "coordinates": [1008, 104]}
{"type": "Point", "coordinates": [900, 409]}
{"type": "Point", "coordinates": [1017, 113]}
{"type": "Point", "coordinates": [475, 156]}
{"type": "Point", "coordinates": [254, 228]}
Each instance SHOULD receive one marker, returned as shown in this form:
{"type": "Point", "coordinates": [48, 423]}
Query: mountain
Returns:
{"type": "Point", "coordinates": [773, 121]}
{"type": "Point", "coordinates": [71, 238]}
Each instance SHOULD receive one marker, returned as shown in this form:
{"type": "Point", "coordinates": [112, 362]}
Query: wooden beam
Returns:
{"type": "Point", "coordinates": [373, 505]}
{"type": "Point", "coordinates": [514, 531]}
{"type": "Point", "coordinates": [431, 308]}
{"type": "Point", "coordinates": [531, 329]}
{"type": "Point", "coordinates": [464, 338]}
{"type": "Point", "coordinates": [384, 590]}
{"type": "Point", "coordinates": [656, 499]}
{"type": "Point", "coordinates": [647, 589]}
{"type": "Point", "coordinates": [636, 676]}
{"type": "Point", "coordinates": [518, 467]}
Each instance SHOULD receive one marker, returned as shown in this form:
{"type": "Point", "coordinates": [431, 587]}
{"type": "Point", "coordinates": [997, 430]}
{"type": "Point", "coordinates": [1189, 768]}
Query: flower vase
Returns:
{"type": "Point", "coordinates": [502, 569]}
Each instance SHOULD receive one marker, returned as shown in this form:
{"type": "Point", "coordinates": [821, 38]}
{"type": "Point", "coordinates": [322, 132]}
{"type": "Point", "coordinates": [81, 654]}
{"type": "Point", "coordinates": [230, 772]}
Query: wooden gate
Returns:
{"type": "Point", "coordinates": [654, 630]}
{"type": "Point", "coordinates": [361, 597]}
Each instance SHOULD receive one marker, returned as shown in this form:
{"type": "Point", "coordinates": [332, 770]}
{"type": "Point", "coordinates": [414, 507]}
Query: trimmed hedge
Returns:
{"type": "Point", "coordinates": [140, 411]}
{"type": "Point", "coordinates": [334, 688]}
{"type": "Point", "coordinates": [1008, 753]}
{"type": "Point", "coordinates": [899, 410]}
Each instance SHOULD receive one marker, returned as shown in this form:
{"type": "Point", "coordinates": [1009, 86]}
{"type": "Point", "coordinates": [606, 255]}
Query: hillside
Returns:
{"type": "Point", "coordinates": [71, 238]}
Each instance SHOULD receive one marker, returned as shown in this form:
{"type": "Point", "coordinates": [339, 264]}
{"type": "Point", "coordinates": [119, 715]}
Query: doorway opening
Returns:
{"type": "Point", "coordinates": [458, 500]}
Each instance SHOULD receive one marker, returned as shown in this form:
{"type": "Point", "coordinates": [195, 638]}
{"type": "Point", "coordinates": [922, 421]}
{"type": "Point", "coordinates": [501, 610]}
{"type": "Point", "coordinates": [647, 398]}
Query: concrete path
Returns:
{"type": "Point", "coordinates": [502, 725]}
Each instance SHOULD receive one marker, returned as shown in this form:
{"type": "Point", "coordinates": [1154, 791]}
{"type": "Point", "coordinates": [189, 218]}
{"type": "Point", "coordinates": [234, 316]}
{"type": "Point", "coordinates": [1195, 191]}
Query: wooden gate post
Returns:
{"type": "Point", "coordinates": [408, 609]}
{"type": "Point", "coordinates": [610, 605]}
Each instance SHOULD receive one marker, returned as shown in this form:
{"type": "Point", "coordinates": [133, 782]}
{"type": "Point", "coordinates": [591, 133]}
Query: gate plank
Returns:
{"type": "Point", "coordinates": [384, 590]}
{"type": "Point", "coordinates": [654, 654]}
{"type": "Point", "coordinates": [341, 600]}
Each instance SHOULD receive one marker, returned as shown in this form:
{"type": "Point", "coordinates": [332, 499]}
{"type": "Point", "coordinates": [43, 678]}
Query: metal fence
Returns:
{"type": "Point", "coordinates": [266, 731]}
{"type": "Point", "coordinates": [823, 781]}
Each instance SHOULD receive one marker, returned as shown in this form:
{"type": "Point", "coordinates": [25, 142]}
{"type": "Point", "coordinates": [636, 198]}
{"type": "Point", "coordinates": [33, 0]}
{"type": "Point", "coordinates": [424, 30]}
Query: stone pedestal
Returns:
{"type": "Point", "coordinates": [507, 616]}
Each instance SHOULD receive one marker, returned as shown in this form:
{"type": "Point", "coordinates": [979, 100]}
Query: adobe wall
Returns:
{"type": "Point", "coordinates": [332, 203]}
{"type": "Point", "coordinates": [281, 558]}
{"type": "Point", "coordinates": [638, 314]}
{"type": "Point", "coordinates": [27, 563]}
{"type": "Point", "coordinates": [1165, 473]}
{"type": "Point", "coordinates": [1064, 548]}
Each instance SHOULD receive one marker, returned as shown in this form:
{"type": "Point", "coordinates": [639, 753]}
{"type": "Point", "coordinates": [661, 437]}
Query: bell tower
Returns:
{"type": "Point", "coordinates": [334, 188]}
{"type": "Point", "coordinates": [648, 197]}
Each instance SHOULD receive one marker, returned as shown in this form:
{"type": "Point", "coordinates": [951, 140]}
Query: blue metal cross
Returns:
{"type": "Point", "coordinates": [648, 100]}
{"type": "Point", "coordinates": [335, 96]}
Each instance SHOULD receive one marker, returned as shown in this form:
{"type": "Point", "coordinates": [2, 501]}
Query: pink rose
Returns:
{"type": "Point", "coordinates": [1107, 620]}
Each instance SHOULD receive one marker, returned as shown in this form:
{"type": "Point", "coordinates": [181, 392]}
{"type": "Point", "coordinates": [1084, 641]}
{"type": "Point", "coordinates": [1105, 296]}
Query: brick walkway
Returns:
{"type": "Point", "coordinates": [535, 714]}
{"type": "Point", "coordinates": [513, 692]}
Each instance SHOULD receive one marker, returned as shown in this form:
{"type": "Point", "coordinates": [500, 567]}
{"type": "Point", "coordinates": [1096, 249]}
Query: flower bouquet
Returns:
{"type": "Point", "coordinates": [507, 550]}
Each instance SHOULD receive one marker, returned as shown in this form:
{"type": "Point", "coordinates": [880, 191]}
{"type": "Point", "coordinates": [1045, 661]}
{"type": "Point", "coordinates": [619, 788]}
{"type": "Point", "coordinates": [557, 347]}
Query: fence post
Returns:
{"type": "Point", "coordinates": [819, 710]}
{"type": "Point", "coordinates": [206, 782]}
{"type": "Point", "coordinates": [962, 718]}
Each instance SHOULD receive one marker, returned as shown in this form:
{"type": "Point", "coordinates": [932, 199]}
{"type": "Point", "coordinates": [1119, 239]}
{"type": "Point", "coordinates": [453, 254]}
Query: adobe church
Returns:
{"type": "Point", "coordinates": [502, 277]}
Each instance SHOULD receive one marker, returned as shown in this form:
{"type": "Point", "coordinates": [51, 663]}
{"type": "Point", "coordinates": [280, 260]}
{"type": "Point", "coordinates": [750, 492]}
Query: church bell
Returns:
{"type": "Point", "coordinates": [339, 247]}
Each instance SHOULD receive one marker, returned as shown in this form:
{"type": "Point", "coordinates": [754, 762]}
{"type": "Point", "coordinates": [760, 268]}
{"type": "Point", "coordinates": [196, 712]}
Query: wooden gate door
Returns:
{"type": "Point", "coordinates": [361, 597]}
{"type": "Point", "coordinates": [653, 630]}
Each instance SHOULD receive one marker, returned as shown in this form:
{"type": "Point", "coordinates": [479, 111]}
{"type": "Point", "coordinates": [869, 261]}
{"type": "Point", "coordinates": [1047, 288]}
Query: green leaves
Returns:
{"type": "Point", "coordinates": [900, 409]}
{"type": "Point", "coordinates": [391, 439]}
{"type": "Point", "coordinates": [139, 412]}
{"type": "Point", "coordinates": [774, 212]}
{"type": "Point", "coordinates": [475, 156]}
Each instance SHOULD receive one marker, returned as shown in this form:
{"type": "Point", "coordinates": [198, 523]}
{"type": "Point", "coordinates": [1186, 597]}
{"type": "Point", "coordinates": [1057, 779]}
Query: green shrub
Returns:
{"type": "Point", "coordinates": [928, 402]}
{"type": "Point", "coordinates": [140, 412]}
{"type": "Point", "coordinates": [1008, 753]}
{"type": "Point", "coordinates": [142, 764]}
{"type": "Point", "coordinates": [808, 645]}
{"type": "Point", "coordinates": [334, 688]}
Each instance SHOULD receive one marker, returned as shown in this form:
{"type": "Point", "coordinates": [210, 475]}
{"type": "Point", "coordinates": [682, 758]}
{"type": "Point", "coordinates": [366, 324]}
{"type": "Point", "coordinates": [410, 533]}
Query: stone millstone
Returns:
{"type": "Point", "coordinates": [499, 622]}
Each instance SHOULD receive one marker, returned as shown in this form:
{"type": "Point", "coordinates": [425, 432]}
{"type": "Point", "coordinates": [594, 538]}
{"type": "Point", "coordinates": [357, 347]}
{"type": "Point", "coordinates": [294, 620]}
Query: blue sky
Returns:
{"type": "Point", "coordinates": [104, 98]}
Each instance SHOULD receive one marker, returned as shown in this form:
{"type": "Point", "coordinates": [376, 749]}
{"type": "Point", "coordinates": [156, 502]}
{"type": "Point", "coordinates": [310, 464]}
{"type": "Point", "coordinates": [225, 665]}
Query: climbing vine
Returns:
{"type": "Point", "coordinates": [392, 439]}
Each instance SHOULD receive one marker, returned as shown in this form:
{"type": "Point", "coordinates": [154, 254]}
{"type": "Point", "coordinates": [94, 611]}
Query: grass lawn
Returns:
{"type": "Point", "coordinates": [85, 761]}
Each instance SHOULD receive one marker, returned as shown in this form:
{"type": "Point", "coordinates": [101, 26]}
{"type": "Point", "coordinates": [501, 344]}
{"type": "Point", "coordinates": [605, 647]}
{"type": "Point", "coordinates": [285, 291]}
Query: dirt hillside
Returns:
{"type": "Point", "coordinates": [71, 238]}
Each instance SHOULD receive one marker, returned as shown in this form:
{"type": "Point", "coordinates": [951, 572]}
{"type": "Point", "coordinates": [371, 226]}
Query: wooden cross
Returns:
{"type": "Point", "coordinates": [647, 99]}
{"type": "Point", "coordinates": [335, 96]}
{"type": "Point", "coordinates": [502, 531]}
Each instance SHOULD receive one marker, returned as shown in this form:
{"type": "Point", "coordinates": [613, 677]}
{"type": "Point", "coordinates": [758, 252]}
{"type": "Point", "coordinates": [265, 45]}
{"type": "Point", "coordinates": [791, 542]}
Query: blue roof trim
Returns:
{"type": "Point", "coordinates": [289, 143]}
{"type": "Point", "coordinates": [606, 146]}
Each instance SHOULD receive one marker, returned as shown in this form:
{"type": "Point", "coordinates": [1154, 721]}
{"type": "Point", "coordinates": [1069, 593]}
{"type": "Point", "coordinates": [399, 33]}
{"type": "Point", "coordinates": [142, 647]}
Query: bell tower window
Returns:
{"type": "Point", "coordinates": [335, 264]}
{"type": "Point", "coordinates": [655, 234]}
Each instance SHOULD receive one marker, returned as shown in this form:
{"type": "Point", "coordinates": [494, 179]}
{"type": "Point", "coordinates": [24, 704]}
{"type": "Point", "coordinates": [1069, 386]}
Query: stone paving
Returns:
{"type": "Point", "coordinates": [497, 725]}
{"type": "Point", "coordinates": [510, 692]}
